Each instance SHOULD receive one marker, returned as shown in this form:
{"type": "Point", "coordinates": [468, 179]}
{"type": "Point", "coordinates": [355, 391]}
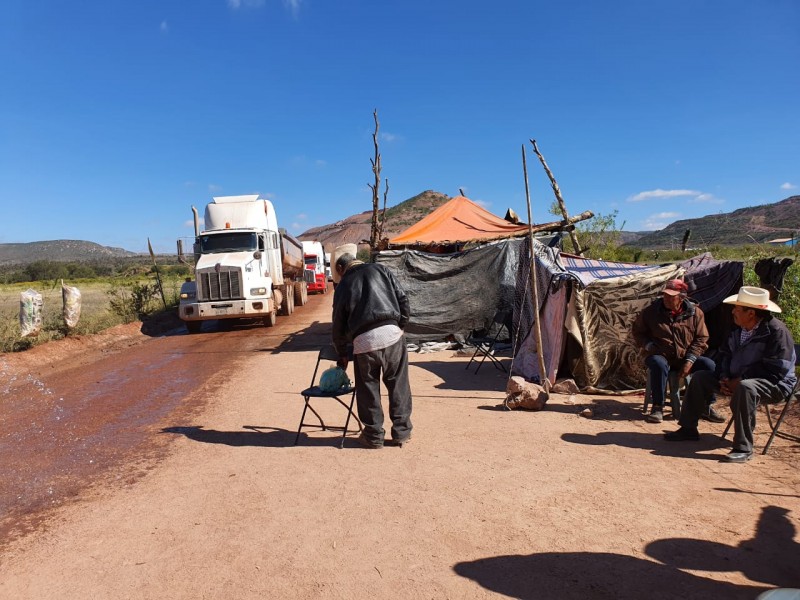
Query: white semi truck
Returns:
{"type": "Point", "coordinates": [245, 266]}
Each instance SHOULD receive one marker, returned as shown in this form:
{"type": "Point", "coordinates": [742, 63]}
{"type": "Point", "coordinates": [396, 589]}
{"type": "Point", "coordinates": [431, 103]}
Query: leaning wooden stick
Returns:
{"type": "Point", "coordinates": [573, 236]}
{"type": "Point", "coordinates": [544, 380]}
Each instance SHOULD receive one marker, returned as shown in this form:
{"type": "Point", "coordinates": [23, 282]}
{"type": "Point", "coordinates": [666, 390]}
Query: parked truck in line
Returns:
{"type": "Point", "coordinates": [245, 266]}
{"type": "Point", "coordinates": [315, 263]}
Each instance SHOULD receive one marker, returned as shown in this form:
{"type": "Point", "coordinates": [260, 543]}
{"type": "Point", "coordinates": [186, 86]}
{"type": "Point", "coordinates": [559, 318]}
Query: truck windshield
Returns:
{"type": "Point", "coordinates": [311, 260]}
{"type": "Point", "coordinates": [241, 241]}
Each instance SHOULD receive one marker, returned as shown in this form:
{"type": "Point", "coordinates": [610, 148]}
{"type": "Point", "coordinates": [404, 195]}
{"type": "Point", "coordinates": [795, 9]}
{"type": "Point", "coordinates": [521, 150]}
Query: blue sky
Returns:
{"type": "Point", "coordinates": [116, 117]}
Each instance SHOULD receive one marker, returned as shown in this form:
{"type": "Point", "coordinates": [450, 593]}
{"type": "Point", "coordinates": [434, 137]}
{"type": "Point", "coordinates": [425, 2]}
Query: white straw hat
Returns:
{"type": "Point", "coordinates": [753, 297]}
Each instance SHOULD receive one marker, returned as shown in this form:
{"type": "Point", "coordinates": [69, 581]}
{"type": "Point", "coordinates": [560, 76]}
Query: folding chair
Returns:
{"type": "Point", "coordinates": [327, 353]}
{"type": "Point", "coordinates": [792, 395]}
{"type": "Point", "coordinates": [485, 344]}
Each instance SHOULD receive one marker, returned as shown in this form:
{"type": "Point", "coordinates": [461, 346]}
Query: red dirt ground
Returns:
{"type": "Point", "coordinates": [152, 467]}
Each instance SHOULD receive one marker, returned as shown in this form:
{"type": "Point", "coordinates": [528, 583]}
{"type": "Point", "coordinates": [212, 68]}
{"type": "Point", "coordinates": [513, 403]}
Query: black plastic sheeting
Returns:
{"type": "Point", "coordinates": [452, 295]}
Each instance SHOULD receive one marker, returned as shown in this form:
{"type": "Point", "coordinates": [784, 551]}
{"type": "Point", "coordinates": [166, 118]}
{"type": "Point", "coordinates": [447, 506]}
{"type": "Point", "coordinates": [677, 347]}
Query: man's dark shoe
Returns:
{"type": "Point", "coordinates": [655, 416]}
{"type": "Point", "coordinates": [712, 415]}
{"type": "Point", "coordinates": [401, 442]}
{"type": "Point", "coordinates": [684, 434]}
{"type": "Point", "coordinates": [364, 442]}
{"type": "Point", "coordinates": [737, 457]}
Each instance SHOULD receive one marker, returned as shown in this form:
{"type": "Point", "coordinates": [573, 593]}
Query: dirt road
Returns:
{"type": "Point", "coordinates": [201, 493]}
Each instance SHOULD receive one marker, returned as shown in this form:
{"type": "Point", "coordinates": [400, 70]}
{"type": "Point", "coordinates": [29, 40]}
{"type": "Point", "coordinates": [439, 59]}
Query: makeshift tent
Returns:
{"type": "Point", "coordinates": [452, 294]}
{"type": "Point", "coordinates": [599, 301]}
{"type": "Point", "coordinates": [459, 221]}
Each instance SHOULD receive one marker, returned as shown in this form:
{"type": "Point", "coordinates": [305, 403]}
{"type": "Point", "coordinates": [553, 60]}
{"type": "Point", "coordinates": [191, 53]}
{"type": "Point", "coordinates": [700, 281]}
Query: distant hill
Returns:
{"type": "Point", "coordinates": [743, 226]}
{"type": "Point", "coordinates": [356, 228]}
{"type": "Point", "coordinates": [59, 251]}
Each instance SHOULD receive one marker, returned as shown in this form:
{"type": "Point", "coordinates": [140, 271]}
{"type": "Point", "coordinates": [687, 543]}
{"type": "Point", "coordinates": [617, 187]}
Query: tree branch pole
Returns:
{"type": "Point", "coordinates": [543, 378]}
{"type": "Point", "coordinates": [376, 169]}
{"type": "Point", "coordinates": [573, 236]}
{"type": "Point", "coordinates": [382, 226]}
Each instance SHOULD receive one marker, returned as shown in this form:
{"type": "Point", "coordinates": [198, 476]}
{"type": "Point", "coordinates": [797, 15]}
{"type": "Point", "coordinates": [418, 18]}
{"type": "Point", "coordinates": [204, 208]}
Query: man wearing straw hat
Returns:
{"type": "Point", "coordinates": [756, 365]}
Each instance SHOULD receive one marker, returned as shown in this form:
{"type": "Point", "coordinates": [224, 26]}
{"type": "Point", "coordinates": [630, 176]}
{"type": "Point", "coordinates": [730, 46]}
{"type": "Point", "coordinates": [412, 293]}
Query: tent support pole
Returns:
{"type": "Point", "coordinates": [543, 378]}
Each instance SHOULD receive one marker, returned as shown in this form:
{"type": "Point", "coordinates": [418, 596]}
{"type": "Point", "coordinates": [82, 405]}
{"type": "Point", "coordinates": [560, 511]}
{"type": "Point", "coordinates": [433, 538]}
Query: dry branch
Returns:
{"type": "Point", "coordinates": [559, 198]}
{"type": "Point", "coordinates": [376, 170]}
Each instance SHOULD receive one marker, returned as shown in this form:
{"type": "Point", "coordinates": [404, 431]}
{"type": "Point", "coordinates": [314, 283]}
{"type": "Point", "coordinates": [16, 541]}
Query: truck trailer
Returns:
{"type": "Point", "coordinates": [245, 265]}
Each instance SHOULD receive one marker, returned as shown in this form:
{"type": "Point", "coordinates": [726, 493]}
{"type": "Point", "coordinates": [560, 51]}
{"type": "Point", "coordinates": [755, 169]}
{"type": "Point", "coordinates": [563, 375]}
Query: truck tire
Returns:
{"type": "Point", "coordinates": [289, 299]}
{"type": "Point", "coordinates": [287, 305]}
{"type": "Point", "coordinates": [300, 293]}
{"type": "Point", "coordinates": [193, 326]}
{"type": "Point", "coordinates": [271, 319]}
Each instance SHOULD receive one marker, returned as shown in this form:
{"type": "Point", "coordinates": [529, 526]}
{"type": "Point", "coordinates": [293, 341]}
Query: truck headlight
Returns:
{"type": "Point", "coordinates": [262, 291]}
{"type": "Point", "coordinates": [188, 295]}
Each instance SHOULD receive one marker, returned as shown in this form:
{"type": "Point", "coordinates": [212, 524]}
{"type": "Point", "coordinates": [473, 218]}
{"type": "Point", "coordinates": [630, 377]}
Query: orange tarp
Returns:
{"type": "Point", "coordinates": [460, 220]}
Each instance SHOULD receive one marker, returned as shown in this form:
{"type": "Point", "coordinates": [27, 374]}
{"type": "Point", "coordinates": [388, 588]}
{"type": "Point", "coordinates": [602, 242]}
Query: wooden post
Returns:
{"type": "Point", "coordinates": [573, 236]}
{"type": "Point", "coordinates": [544, 380]}
{"type": "Point", "coordinates": [158, 275]}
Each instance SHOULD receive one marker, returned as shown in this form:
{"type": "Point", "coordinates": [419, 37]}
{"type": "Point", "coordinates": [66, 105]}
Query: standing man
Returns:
{"type": "Point", "coordinates": [757, 365]}
{"type": "Point", "coordinates": [672, 333]}
{"type": "Point", "coordinates": [370, 310]}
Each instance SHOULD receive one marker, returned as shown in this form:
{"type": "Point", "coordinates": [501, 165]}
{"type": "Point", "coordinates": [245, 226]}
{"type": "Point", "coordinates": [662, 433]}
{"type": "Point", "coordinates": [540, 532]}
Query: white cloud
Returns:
{"type": "Point", "coordinates": [665, 215]}
{"type": "Point", "coordinates": [301, 217]}
{"type": "Point", "coordinates": [237, 4]}
{"type": "Point", "coordinates": [190, 223]}
{"type": "Point", "coordinates": [788, 186]}
{"type": "Point", "coordinates": [320, 163]}
{"type": "Point", "coordinates": [707, 199]}
{"type": "Point", "coordinates": [661, 194]}
{"type": "Point", "coordinates": [293, 6]}
{"type": "Point", "coordinates": [482, 203]}
{"type": "Point", "coordinates": [164, 27]}
{"type": "Point", "coordinates": [214, 188]}
{"type": "Point", "coordinates": [389, 137]}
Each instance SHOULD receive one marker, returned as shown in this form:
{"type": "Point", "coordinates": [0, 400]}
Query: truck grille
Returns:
{"type": "Point", "coordinates": [225, 285]}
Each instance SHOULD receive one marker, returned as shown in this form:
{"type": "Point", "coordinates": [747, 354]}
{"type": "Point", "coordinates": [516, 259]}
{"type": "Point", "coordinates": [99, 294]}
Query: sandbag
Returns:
{"type": "Point", "coordinates": [30, 313]}
{"type": "Point", "coordinates": [72, 304]}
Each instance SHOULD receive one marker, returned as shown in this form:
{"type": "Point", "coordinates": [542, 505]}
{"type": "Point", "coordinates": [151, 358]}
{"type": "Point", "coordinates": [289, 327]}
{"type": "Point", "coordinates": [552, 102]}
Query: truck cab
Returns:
{"type": "Point", "coordinates": [238, 270]}
{"type": "Point", "coordinates": [314, 258]}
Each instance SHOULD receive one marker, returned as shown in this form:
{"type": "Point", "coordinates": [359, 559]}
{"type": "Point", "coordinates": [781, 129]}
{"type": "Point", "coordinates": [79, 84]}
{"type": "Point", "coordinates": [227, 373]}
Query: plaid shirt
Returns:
{"type": "Point", "coordinates": [745, 334]}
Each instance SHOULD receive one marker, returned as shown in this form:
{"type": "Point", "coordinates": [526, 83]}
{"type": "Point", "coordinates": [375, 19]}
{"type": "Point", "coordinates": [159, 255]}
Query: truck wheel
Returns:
{"type": "Point", "coordinates": [193, 326]}
{"type": "Point", "coordinates": [287, 305]}
{"type": "Point", "coordinates": [271, 319]}
{"type": "Point", "coordinates": [289, 302]}
{"type": "Point", "coordinates": [300, 293]}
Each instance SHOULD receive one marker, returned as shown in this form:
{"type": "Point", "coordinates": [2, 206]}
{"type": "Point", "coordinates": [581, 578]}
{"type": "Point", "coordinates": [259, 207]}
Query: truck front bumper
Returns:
{"type": "Point", "coordinates": [225, 309]}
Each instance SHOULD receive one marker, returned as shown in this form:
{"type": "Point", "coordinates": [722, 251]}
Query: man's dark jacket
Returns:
{"type": "Point", "coordinates": [368, 296]}
{"type": "Point", "coordinates": [769, 355]}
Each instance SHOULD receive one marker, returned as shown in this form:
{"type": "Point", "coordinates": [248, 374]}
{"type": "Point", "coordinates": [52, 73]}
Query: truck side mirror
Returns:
{"type": "Point", "coordinates": [257, 254]}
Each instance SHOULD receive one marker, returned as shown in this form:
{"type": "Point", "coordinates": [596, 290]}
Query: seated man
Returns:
{"type": "Point", "coordinates": [757, 365]}
{"type": "Point", "coordinates": [672, 333]}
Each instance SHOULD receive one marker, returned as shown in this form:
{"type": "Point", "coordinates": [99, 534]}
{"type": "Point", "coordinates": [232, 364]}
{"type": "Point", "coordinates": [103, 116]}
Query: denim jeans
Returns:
{"type": "Point", "coordinates": [658, 371]}
{"type": "Point", "coordinates": [392, 363]}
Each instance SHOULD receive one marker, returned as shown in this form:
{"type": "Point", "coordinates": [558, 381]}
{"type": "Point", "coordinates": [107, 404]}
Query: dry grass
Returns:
{"type": "Point", "coordinates": [96, 311]}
